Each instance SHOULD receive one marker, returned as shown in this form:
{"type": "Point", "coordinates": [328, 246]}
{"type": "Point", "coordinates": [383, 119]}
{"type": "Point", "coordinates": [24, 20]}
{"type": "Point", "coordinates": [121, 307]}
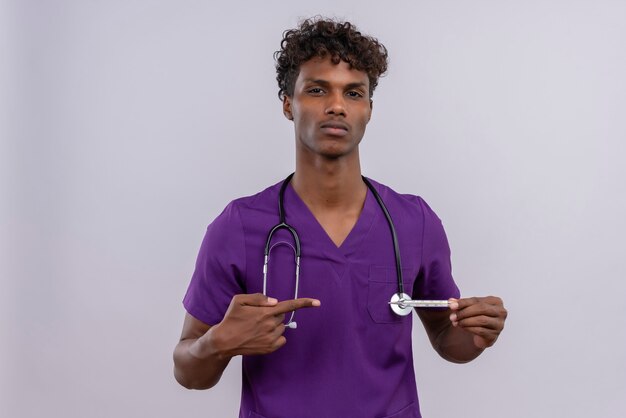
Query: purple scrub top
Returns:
{"type": "Point", "coordinates": [352, 356]}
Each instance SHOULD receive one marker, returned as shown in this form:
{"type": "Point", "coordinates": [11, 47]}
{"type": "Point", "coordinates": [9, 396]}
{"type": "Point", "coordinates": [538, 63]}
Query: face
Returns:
{"type": "Point", "coordinates": [330, 108]}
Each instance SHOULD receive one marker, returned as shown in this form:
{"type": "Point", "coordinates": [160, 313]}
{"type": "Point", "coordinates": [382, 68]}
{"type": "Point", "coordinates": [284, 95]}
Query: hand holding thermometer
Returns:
{"type": "Point", "coordinates": [401, 304]}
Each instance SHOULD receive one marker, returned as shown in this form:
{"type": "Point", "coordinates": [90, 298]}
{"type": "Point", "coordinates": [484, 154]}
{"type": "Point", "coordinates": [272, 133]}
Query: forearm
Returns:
{"type": "Point", "coordinates": [197, 362]}
{"type": "Point", "coordinates": [456, 345]}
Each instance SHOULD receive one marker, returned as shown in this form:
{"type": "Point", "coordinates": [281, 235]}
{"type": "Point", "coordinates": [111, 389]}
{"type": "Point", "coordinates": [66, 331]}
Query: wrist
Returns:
{"type": "Point", "coordinates": [209, 345]}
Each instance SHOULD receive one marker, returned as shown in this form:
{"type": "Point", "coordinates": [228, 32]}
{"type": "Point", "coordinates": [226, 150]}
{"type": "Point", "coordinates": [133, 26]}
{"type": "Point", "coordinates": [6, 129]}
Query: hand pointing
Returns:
{"type": "Point", "coordinates": [254, 324]}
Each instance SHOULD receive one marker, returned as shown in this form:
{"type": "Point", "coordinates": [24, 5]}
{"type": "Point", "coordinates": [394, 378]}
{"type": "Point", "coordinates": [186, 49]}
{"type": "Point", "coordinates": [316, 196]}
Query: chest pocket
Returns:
{"type": "Point", "coordinates": [382, 284]}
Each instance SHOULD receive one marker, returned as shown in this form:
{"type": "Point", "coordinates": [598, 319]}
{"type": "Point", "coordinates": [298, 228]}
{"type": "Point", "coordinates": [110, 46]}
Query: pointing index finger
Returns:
{"type": "Point", "coordinates": [293, 304]}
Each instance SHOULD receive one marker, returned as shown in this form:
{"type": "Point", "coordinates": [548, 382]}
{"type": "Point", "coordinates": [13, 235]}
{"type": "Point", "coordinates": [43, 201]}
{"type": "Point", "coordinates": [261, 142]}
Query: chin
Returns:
{"type": "Point", "coordinates": [334, 154]}
{"type": "Point", "coordinates": [331, 149]}
{"type": "Point", "coordinates": [331, 156]}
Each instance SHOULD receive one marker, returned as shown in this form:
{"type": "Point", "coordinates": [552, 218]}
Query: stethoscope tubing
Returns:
{"type": "Point", "coordinates": [282, 224]}
{"type": "Point", "coordinates": [394, 236]}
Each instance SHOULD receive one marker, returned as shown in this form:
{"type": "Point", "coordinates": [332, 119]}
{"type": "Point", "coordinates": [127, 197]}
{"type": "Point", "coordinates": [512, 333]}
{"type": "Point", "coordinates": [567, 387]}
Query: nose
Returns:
{"type": "Point", "coordinates": [336, 105]}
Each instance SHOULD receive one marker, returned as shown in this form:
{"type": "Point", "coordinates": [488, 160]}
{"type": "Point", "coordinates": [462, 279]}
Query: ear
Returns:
{"type": "Point", "coordinates": [287, 107]}
{"type": "Point", "coordinates": [371, 109]}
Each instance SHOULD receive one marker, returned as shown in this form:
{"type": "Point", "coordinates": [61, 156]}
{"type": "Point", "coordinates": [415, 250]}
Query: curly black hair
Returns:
{"type": "Point", "coordinates": [321, 37]}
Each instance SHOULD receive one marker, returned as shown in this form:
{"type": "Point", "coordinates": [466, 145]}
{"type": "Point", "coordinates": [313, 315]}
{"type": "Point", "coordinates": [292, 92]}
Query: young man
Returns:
{"type": "Point", "coordinates": [350, 355]}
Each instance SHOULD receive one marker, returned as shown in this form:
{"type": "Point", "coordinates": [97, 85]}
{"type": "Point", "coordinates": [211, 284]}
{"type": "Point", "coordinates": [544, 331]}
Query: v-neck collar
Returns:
{"type": "Point", "coordinates": [302, 215]}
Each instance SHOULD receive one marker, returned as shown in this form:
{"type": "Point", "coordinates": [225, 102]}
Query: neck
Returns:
{"type": "Point", "coordinates": [326, 183]}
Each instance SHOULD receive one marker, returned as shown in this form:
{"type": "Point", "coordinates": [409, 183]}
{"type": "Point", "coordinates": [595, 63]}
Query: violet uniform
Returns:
{"type": "Point", "coordinates": [352, 356]}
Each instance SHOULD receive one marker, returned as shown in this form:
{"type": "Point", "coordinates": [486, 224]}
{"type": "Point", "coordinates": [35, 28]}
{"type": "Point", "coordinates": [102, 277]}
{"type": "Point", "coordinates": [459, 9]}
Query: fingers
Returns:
{"type": "Point", "coordinates": [272, 341]}
{"type": "Point", "coordinates": [484, 333]}
{"type": "Point", "coordinates": [278, 319]}
{"type": "Point", "coordinates": [255, 299]}
{"type": "Point", "coordinates": [280, 341]}
{"type": "Point", "coordinates": [483, 338]}
{"type": "Point", "coordinates": [481, 321]}
{"type": "Point", "coordinates": [293, 304]}
{"type": "Point", "coordinates": [458, 304]}
{"type": "Point", "coordinates": [255, 323]}
{"type": "Point", "coordinates": [482, 316]}
{"type": "Point", "coordinates": [480, 309]}
{"type": "Point", "coordinates": [278, 331]}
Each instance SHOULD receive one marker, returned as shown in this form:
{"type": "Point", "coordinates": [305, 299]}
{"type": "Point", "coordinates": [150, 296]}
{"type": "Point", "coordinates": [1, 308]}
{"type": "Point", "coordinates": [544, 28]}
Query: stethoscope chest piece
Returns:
{"type": "Point", "coordinates": [397, 306]}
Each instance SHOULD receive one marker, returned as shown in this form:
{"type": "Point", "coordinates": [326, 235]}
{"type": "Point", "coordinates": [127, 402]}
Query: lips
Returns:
{"type": "Point", "coordinates": [335, 125]}
{"type": "Point", "coordinates": [334, 128]}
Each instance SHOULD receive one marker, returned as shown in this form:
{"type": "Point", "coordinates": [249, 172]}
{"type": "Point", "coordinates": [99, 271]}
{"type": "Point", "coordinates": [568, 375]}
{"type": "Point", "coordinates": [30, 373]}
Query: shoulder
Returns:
{"type": "Point", "coordinates": [246, 208]}
{"type": "Point", "coordinates": [265, 197]}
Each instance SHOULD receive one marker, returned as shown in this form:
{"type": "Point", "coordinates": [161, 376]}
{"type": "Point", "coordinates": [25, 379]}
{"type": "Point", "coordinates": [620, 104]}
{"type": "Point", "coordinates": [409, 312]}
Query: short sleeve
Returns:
{"type": "Point", "coordinates": [434, 279]}
{"type": "Point", "coordinates": [220, 268]}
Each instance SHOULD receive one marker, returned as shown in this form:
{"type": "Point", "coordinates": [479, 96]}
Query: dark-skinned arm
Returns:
{"type": "Point", "coordinates": [198, 364]}
{"type": "Point", "coordinates": [461, 333]}
{"type": "Point", "coordinates": [252, 325]}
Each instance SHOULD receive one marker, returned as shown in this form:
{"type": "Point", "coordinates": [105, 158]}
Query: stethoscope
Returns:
{"type": "Point", "coordinates": [400, 302]}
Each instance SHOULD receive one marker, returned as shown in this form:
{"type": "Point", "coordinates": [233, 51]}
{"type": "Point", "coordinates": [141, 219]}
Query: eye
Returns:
{"type": "Point", "coordinates": [355, 94]}
{"type": "Point", "coordinates": [315, 91]}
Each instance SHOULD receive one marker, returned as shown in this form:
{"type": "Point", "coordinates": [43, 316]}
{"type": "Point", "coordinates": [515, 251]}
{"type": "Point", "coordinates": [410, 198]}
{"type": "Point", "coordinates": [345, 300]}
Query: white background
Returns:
{"type": "Point", "coordinates": [128, 125]}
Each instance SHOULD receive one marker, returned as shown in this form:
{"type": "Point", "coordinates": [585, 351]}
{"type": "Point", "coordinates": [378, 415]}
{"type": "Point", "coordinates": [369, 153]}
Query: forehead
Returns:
{"type": "Point", "coordinates": [324, 69]}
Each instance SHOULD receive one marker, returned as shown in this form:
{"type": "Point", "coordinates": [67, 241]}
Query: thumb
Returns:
{"type": "Point", "coordinates": [255, 299]}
